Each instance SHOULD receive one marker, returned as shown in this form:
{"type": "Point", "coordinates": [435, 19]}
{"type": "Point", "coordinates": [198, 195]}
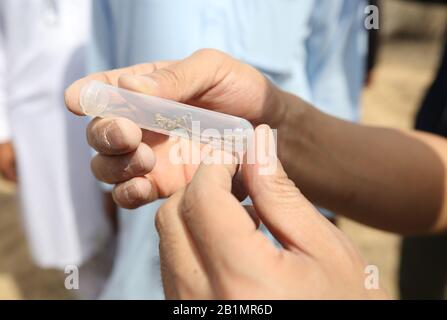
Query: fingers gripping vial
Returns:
{"type": "Point", "coordinates": [166, 117]}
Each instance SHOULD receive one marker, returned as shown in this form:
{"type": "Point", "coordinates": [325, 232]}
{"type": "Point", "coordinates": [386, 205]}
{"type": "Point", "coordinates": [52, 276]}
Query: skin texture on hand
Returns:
{"type": "Point", "coordinates": [8, 162]}
{"type": "Point", "coordinates": [391, 179]}
{"type": "Point", "coordinates": [137, 161]}
{"type": "Point", "coordinates": [205, 79]}
{"type": "Point", "coordinates": [210, 247]}
{"type": "Point", "coordinates": [386, 178]}
{"type": "Point", "coordinates": [315, 255]}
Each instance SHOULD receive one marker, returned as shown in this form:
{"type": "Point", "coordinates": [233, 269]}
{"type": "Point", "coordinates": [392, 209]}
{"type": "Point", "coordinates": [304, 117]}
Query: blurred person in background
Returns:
{"type": "Point", "coordinates": [423, 264]}
{"type": "Point", "coordinates": [42, 148]}
{"type": "Point", "coordinates": [314, 48]}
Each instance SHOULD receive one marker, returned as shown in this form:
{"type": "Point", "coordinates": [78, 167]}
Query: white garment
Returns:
{"type": "Point", "coordinates": [42, 46]}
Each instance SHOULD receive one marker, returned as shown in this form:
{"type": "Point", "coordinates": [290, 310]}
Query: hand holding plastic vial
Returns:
{"type": "Point", "coordinates": [167, 117]}
{"type": "Point", "coordinates": [224, 236]}
{"type": "Point", "coordinates": [231, 95]}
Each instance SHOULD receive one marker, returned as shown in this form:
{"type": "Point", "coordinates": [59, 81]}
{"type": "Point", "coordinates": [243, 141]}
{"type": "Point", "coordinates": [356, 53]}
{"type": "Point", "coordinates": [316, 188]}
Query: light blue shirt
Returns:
{"type": "Point", "coordinates": [313, 48]}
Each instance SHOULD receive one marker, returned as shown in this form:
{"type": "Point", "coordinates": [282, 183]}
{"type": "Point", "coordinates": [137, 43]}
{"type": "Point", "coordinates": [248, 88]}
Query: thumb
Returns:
{"type": "Point", "coordinates": [280, 205]}
{"type": "Point", "coordinates": [183, 80]}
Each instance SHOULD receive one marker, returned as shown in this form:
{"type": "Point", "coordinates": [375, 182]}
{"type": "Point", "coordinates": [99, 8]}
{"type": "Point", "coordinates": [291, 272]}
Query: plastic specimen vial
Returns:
{"type": "Point", "coordinates": [166, 116]}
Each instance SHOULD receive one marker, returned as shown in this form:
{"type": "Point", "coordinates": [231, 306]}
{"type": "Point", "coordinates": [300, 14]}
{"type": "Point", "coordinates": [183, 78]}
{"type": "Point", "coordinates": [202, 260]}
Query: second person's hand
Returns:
{"type": "Point", "coordinates": [210, 248]}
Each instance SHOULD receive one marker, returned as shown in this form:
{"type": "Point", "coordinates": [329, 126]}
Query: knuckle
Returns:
{"type": "Point", "coordinates": [210, 53]}
{"type": "Point", "coordinates": [105, 76]}
{"type": "Point", "coordinates": [219, 59]}
{"type": "Point", "coordinates": [173, 79]}
{"type": "Point", "coordinates": [171, 75]}
{"type": "Point", "coordinates": [282, 186]}
{"type": "Point", "coordinates": [143, 68]}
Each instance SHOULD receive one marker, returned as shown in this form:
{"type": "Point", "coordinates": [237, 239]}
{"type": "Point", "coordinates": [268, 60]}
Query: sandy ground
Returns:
{"type": "Point", "coordinates": [404, 72]}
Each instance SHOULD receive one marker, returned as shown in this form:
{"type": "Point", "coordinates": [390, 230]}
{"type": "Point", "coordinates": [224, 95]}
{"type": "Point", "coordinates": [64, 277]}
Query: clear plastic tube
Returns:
{"type": "Point", "coordinates": [165, 116]}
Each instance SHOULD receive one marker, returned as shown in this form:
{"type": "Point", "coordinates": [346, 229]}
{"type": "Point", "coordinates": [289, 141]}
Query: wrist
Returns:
{"type": "Point", "coordinates": [276, 108]}
{"type": "Point", "coordinates": [295, 114]}
{"type": "Point", "coordinates": [286, 111]}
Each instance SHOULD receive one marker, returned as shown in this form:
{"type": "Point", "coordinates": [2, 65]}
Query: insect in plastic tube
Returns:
{"type": "Point", "coordinates": [173, 124]}
{"type": "Point", "coordinates": [185, 123]}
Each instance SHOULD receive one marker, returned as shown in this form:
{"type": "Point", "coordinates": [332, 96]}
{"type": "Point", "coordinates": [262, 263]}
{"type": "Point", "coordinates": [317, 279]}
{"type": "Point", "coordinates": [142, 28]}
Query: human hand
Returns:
{"type": "Point", "coordinates": [8, 162]}
{"type": "Point", "coordinates": [138, 161]}
{"type": "Point", "coordinates": [210, 248]}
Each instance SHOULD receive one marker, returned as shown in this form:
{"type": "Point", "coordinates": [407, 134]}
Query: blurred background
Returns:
{"type": "Point", "coordinates": [411, 42]}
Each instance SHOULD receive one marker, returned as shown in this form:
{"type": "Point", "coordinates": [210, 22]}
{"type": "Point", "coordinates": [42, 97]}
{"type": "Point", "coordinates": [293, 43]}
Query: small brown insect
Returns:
{"type": "Point", "coordinates": [172, 124]}
{"type": "Point", "coordinates": [184, 123]}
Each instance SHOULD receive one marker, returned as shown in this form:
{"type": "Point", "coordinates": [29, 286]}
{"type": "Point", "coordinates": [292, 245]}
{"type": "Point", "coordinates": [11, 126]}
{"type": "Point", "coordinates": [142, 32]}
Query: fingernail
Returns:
{"type": "Point", "coordinates": [266, 156]}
